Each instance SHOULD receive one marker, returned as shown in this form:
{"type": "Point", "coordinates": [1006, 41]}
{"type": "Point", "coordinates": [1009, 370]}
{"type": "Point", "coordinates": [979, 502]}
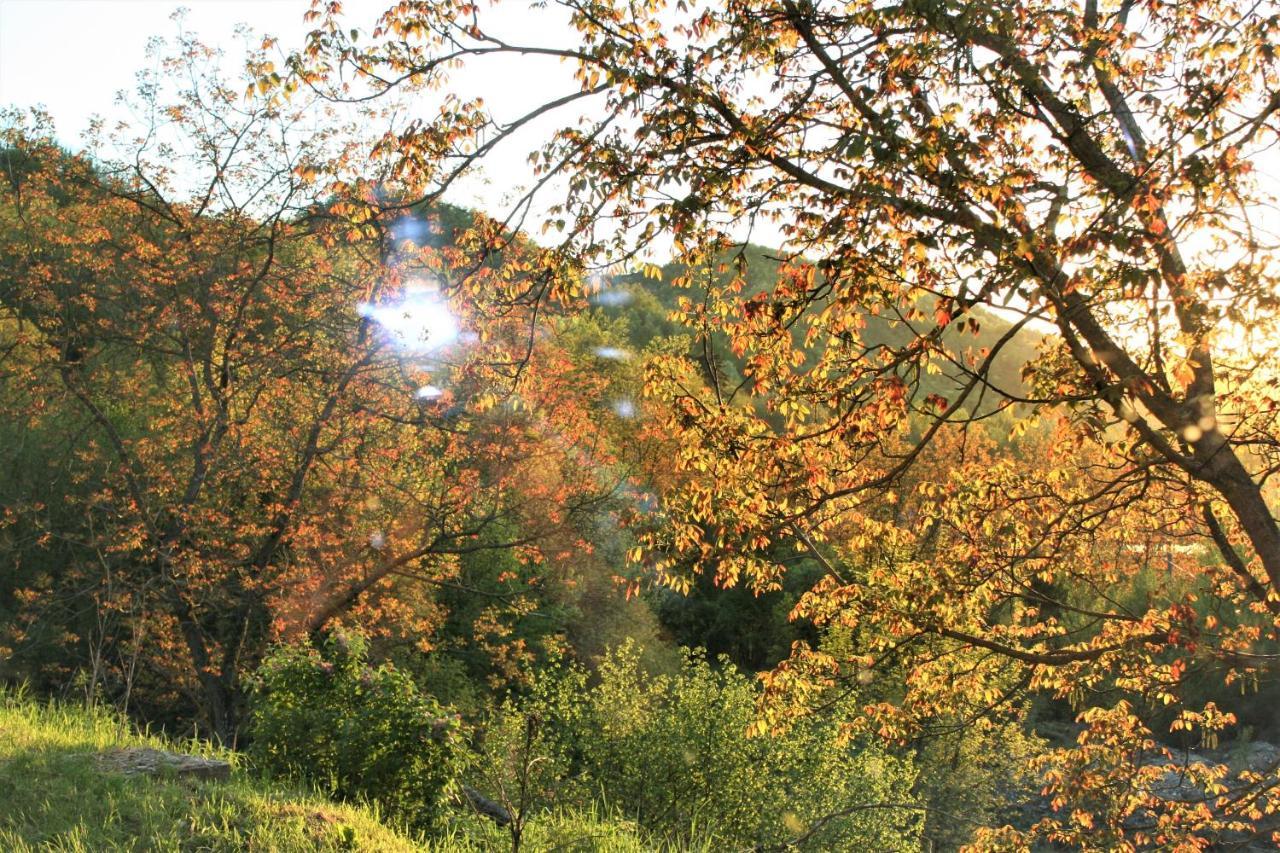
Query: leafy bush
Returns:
{"type": "Point", "coordinates": [355, 731]}
{"type": "Point", "coordinates": [979, 774]}
{"type": "Point", "coordinates": [671, 754]}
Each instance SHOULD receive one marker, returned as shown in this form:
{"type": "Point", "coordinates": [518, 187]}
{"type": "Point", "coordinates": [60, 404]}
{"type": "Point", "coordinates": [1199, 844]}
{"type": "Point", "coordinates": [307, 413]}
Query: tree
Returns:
{"type": "Point", "coordinates": [1090, 171]}
{"type": "Point", "coordinates": [251, 453]}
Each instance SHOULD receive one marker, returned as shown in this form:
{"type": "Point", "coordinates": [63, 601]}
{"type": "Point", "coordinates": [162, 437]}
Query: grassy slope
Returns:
{"type": "Point", "coordinates": [52, 796]}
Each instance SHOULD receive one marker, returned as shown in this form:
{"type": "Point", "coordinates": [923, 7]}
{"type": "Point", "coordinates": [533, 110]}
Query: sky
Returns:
{"type": "Point", "coordinates": [73, 57]}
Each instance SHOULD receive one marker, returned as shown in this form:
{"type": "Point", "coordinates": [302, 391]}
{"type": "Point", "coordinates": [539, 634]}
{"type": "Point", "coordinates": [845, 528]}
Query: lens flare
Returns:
{"type": "Point", "coordinates": [419, 322]}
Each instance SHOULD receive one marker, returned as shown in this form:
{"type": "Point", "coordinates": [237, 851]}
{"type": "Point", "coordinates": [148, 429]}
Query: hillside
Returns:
{"type": "Point", "coordinates": [55, 793]}
{"type": "Point", "coordinates": [648, 303]}
{"type": "Point", "coordinates": [61, 788]}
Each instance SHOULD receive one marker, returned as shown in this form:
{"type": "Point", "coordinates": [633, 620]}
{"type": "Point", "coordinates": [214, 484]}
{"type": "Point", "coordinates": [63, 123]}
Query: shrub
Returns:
{"type": "Point", "coordinates": [356, 732]}
{"type": "Point", "coordinates": [979, 774]}
{"type": "Point", "coordinates": [671, 754]}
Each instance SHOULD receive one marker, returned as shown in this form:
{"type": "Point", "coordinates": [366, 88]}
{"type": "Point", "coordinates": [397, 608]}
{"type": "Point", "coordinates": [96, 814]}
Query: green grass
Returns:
{"type": "Point", "coordinates": [589, 830]}
{"type": "Point", "coordinates": [53, 796]}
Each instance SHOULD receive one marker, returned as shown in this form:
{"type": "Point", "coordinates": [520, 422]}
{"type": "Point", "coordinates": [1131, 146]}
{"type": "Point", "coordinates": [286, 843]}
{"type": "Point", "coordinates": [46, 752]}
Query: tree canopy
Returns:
{"type": "Point", "coordinates": [1090, 171]}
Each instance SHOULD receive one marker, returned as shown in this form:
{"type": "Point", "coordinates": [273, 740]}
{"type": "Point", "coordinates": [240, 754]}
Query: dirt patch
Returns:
{"type": "Point", "coordinates": [145, 761]}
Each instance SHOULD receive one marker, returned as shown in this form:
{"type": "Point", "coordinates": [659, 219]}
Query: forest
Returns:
{"type": "Point", "coordinates": [856, 431]}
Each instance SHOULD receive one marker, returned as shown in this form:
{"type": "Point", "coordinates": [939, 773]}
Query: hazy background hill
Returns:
{"type": "Point", "coordinates": [648, 303]}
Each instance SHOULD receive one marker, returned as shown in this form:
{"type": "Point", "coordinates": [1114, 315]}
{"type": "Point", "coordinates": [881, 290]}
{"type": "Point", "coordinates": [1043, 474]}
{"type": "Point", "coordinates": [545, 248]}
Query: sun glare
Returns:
{"type": "Point", "coordinates": [420, 322]}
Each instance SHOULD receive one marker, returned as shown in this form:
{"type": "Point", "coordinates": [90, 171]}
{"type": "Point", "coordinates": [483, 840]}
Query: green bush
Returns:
{"type": "Point", "coordinates": [587, 830]}
{"type": "Point", "coordinates": [671, 755]}
{"type": "Point", "coordinates": [978, 774]}
{"type": "Point", "coordinates": [355, 731]}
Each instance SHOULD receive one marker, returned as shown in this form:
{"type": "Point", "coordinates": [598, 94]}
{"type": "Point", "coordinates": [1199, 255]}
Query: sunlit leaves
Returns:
{"type": "Point", "coordinates": [1066, 523]}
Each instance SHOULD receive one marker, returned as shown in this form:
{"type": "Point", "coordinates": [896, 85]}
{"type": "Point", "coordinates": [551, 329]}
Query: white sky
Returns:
{"type": "Point", "coordinates": [73, 56]}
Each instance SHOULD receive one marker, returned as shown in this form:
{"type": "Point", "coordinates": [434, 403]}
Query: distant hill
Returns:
{"type": "Point", "coordinates": [647, 304]}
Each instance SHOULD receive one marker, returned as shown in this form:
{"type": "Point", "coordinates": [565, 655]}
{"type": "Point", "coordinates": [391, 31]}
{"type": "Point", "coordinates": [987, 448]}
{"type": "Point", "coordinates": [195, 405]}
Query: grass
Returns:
{"type": "Point", "coordinates": [53, 796]}
{"type": "Point", "coordinates": [590, 830]}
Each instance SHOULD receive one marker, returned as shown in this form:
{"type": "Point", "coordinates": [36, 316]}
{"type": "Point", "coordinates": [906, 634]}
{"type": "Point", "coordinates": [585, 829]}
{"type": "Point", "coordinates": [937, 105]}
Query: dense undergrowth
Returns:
{"type": "Point", "coordinates": [56, 796]}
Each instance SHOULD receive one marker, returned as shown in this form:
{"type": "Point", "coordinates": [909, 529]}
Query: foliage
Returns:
{"type": "Point", "coordinates": [359, 733]}
{"type": "Point", "coordinates": [576, 831]}
{"type": "Point", "coordinates": [752, 629]}
{"type": "Point", "coordinates": [1090, 172]}
{"type": "Point", "coordinates": [974, 767]}
{"type": "Point", "coordinates": [191, 336]}
{"type": "Point", "coordinates": [672, 753]}
{"type": "Point", "coordinates": [994, 428]}
{"type": "Point", "coordinates": [56, 797]}
{"type": "Point", "coordinates": [975, 776]}
{"type": "Point", "coordinates": [503, 618]}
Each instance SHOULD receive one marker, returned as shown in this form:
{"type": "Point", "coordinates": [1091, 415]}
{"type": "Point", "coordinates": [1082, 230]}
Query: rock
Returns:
{"type": "Point", "coordinates": [145, 761]}
{"type": "Point", "coordinates": [1261, 757]}
{"type": "Point", "coordinates": [491, 809]}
